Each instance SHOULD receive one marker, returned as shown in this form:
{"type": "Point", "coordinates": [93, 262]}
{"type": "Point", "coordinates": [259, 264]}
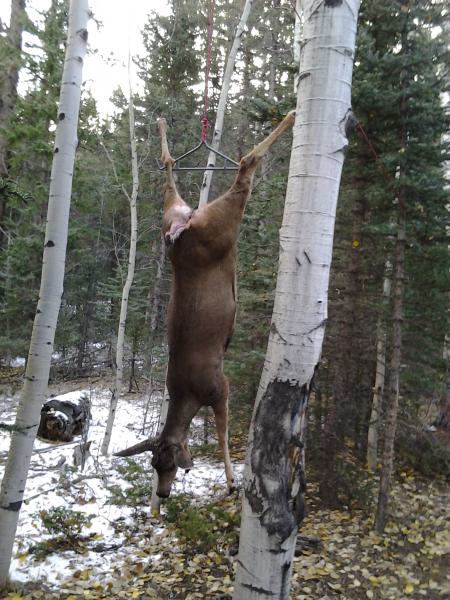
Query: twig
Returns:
{"type": "Point", "coordinates": [56, 487]}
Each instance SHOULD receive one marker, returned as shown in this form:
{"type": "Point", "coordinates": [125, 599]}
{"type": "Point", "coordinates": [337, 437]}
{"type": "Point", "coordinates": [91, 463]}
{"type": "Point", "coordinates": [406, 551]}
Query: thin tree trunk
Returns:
{"type": "Point", "coordinates": [394, 375]}
{"type": "Point", "coordinates": [273, 504]}
{"type": "Point", "coordinates": [117, 390]}
{"type": "Point", "coordinates": [390, 426]}
{"type": "Point", "coordinates": [153, 316]}
{"type": "Point", "coordinates": [42, 338]}
{"type": "Point", "coordinates": [90, 298]}
{"type": "Point", "coordinates": [297, 40]}
{"type": "Point", "coordinates": [154, 305]}
{"type": "Point", "coordinates": [207, 177]}
{"type": "Point", "coordinates": [271, 97]}
{"type": "Point", "coordinates": [380, 375]}
{"type": "Point", "coordinates": [8, 89]}
{"type": "Point", "coordinates": [243, 104]}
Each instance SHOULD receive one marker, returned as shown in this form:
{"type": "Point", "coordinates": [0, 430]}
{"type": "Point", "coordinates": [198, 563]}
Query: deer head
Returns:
{"type": "Point", "coordinates": [167, 457]}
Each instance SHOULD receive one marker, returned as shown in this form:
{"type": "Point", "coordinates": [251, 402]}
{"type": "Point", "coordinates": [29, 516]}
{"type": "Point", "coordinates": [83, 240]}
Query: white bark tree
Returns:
{"type": "Point", "coordinates": [41, 346]}
{"type": "Point", "coordinates": [380, 375]}
{"type": "Point", "coordinates": [273, 480]}
{"type": "Point", "coordinates": [393, 392]}
{"type": "Point", "coordinates": [132, 199]}
{"type": "Point", "coordinates": [217, 135]}
{"type": "Point", "coordinates": [297, 39]}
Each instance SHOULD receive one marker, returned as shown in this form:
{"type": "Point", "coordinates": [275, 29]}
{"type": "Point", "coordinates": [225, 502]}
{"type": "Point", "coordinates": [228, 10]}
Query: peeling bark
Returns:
{"type": "Point", "coordinates": [276, 489]}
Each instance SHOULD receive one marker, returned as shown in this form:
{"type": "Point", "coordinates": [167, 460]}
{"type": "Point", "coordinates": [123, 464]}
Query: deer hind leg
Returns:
{"type": "Point", "coordinates": [167, 160]}
{"type": "Point", "coordinates": [166, 157]}
{"type": "Point", "coordinates": [251, 160]}
{"type": "Point", "coordinates": [221, 418]}
{"type": "Point", "coordinates": [176, 212]}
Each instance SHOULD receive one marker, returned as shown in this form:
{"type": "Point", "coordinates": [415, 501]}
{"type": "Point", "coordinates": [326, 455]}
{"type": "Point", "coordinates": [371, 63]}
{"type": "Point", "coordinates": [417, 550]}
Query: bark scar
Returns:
{"type": "Point", "coordinates": [277, 482]}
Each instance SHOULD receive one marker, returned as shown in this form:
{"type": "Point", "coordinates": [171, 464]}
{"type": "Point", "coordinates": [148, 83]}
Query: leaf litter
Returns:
{"type": "Point", "coordinates": [190, 553]}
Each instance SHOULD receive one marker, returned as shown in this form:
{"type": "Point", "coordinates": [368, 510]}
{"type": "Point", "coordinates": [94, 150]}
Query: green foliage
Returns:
{"type": "Point", "coordinates": [399, 77]}
{"type": "Point", "coordinates": [140, 481]}
{"type": "Point", "coordinates": [62, 521]}
{"type": "Point", "coordinates": [424, 452]}
{"type": "Point", "coordinates": [202, 527]}
{"type": "Point", "coordinates": [66, 527]}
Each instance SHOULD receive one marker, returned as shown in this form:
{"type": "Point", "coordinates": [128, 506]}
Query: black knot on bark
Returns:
{"type": "Point", "coordinates": [62, 116]}
{"type": "Point", "coordinates": [49, 244]}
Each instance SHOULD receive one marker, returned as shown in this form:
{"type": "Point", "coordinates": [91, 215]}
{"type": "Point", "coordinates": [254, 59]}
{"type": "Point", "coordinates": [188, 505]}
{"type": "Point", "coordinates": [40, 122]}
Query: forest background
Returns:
{"type": "Point", "coordinates": [399, 100]}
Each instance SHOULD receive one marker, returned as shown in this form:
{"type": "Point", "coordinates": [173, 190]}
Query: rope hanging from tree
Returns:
{"type": "Point", "coordinates": [229, 164]}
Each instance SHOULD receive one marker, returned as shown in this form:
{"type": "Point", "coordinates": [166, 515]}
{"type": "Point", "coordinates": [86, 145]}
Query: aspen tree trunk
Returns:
{"type": "Point", "coordinates": [9, 76]}
{"type": "Point", "coordinates": [380, 375]}
{"type": "Point", "coordinates": [154, 304]}
{"type": "Point", "coordinates": [272, 47]}
{"type": "Point", "coordinates": [394, 374]}
{"type": "Point", "coordinates": [297, 39]}
{"type": "Point", "coordinates": [273, 503]}
{"type": "Point", "coordinates": [207, 177]}
{"type": "Point", "coordinates": [392, 401]}
{"type": "Point", "coordinates": [42, 338]}
{"type": "Point", "coordinates": [117, 390]}
{"type": "Point", "coordinates": [245, 95]}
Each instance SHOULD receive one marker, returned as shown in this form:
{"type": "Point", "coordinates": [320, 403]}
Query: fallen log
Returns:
{"type": "Point", "coordinates": [64, 416]}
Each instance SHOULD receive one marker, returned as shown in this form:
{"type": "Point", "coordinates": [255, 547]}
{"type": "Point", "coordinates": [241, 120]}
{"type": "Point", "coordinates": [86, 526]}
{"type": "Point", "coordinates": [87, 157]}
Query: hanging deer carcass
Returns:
{"type": "Point", "coordinates": [201, 312]}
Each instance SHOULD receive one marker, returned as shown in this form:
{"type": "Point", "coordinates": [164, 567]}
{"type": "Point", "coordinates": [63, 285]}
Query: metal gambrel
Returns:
{"type": "Point", "coordinates": [228, 165]}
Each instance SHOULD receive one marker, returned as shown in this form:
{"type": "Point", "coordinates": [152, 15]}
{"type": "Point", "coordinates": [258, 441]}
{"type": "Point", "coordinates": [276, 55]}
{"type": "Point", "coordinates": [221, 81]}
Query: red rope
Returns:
{"type": "Point", "coordinates": [365, 137]}
{"type": "Point", "coordinates": [204, 120]}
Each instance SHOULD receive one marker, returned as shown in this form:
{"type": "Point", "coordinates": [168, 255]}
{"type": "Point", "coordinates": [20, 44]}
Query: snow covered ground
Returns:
{"type": "Point", "coordinates": [54, 481]}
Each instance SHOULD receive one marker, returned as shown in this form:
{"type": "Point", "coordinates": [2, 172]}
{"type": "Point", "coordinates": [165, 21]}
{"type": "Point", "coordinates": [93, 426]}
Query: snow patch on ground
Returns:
{"type": "Point", "coordinates": [74, 397]}
{"type": "Point", "coordinates": [17, 362]}
{"type": "Point", "coordinates": [53, 481]}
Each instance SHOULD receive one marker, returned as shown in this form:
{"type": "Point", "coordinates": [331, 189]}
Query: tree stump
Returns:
{"type": "Point", "coordinates": [62, 419]}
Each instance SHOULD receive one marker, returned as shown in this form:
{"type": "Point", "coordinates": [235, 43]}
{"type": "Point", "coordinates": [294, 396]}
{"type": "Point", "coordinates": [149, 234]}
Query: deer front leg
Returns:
{"type": "Point", "coordinates": [251, 160]}
{"type": "Point", "coordinates": [221, 418]}
{"type": "Point", "coordinates": [177, 213]}
{"type": "Point", "coordinates": [218, 222]}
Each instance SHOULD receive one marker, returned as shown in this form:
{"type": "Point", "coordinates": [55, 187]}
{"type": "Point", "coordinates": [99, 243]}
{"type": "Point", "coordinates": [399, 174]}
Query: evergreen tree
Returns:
{"type": "Point", "coordinates": [397, 98]}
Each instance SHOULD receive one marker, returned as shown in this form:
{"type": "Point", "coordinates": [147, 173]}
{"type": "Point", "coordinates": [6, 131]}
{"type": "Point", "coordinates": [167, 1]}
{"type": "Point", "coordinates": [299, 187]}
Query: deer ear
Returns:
{"type": "Point", "coordinates": [183, 458]}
